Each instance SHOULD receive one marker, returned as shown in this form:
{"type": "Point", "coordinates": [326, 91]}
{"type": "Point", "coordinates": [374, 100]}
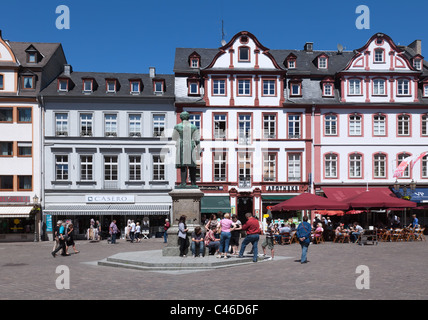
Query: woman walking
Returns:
{"type": "Point", "coordinates": [182, 235]}
{"type": "Point", "coordinates": [70, 239]}
{"type": "Point", "coordinates": [226, 225]}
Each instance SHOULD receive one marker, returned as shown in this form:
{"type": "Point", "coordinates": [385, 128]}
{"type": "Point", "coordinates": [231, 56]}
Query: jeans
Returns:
{"type": "Point", "coordinates": [305, 246]}
{"type": "Point", "coordinates": [132, 236]}
{"type": "Point", "coordinates": [254, 240]}
{"type": "Point", "coordinates": [213, 246]}
{"type": "Point", "coordinates": [224, 241]}
{"type": "Point", "coordinates": [113, 238]}
{"type": "Point", "coordinates": [200, 245]}
{"type": "Point", "coordinates": [165, 237]}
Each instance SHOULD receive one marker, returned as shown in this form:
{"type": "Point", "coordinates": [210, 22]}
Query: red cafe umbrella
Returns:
{"type": "Point", "coordinates": [309, 201]}
{"type": "Point", "coordinates": [377, 199]}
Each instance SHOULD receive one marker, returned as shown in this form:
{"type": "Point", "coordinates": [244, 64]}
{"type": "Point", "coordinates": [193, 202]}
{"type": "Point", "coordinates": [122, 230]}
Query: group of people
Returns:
{"type": "Point", "coordinates": [353, 231]}
{"type": "Point", "coordinates": [64, 238]}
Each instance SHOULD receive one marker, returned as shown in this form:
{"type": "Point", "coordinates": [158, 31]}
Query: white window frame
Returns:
{"type": "Point", "coordinates": [355, 84]}
{"type": "Point", "coordinates": [269, 126]}
{"type": "Point", "coordinates": [379, 166]}
{"type": "Point", "coordinates": [330, 165]}
{"type": "Point", "coordinates": [159, 125]}
{"type": "Point", "coordinates": [135, 168]}
{"type": "Point", "coordinates": [403, 87]}
{"type": "Point", "coordinates": [294, 167]}
{"type": "Point", "coordinates": [355, 165]}
{"type": "Point", "coordinates": [110, 125]}
{"type": "Point", "coordinates": [330, 125]}
{"type": "Point", "coordinates": [61, 124]}
{"type": "Point", "coordinates": [219, 87]}
{"type": "Point", "coordinates": [355, 125]}
{"type": "Point", "coordinates": [159, 168]}
{"type": "Point", "coordinates": [62, 168]}
{"type": "Point", "coordinates": [87, 123]}
{"type": "Point", "coordinates": [86, 167]}
{"type": "Point", "coordinates": [269, 166]}
{"type": "Point", "coordinates": [220, 167]}
{"type": "Point", "coordinates": [379, 87]}
{"type": "Point", "coordinates": [379, 125]}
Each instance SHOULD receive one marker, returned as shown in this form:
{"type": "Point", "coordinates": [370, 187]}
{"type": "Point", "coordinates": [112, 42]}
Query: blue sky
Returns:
{"type": "Point", "coordinates": [133, 35]}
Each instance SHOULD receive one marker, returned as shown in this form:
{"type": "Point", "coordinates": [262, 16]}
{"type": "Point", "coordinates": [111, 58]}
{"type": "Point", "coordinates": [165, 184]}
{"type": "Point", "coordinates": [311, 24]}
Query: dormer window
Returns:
{"type": "Point", "coordinates": [295, 88]}
{"type": "Point", "coordinates": [379, 41]}
{"type": "Point", "coordinates": [322, 62]}
{"type": "Point", "coordinates": [328, 87]}
{"type": "Point", "coordinates": [63, 85]}
{"type": "Point", "coordinates": [417, 63]}
{"type": "Point", "coordinates": [87, 85]}
{"type": "Point", "coordinates": [28, 82]}
{"type": "Point", "coordinates": [244, 54]}
{"type": "Point", "coordinates": [111, 85]}
{"type": "Point", "coordinates": [32, 57]}
{"type": "Point", "coordinates": [135, 86]}
{"type": "Point", "coordinates": [158, 87]}
{"type": "Point", "coordinates": [193, 87]}
{"type": "Point", "coordinates": [1, 82]}
{"type": "Point", "coordinates": [291, 64]}
{"type": "Point", "coordinates": [194, 63]}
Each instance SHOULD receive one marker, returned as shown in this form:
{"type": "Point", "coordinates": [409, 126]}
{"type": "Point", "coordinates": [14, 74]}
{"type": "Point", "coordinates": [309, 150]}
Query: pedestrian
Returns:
{"type": "Point", "coordinates": [132, 231]}
{"type": "Point", "coordinates": [415, 222]}
{"type": "Point", "coordinates": [56, 235]}
{"type": "Point", "coordinates": [270, 232]}
{"type": "Point", "coordinates": [182, 235]}
{"type": "Point", "coordinates": [113, 231]}
{"type": "Point", "coordinates": [226, 225]}
{"type": "Point", "coordinates": [62, 238]}
{"type": "Point", "coordinates": [235, 234]}
{"type": "Point", "coordinates": [137, 232]}
{"type": "Point", "coordinates": [252, 227]}
{"type": "Point", "coordinates": [166, 226]}
{"type": "Point", "coordinates": [97, 230]}
{"type": "Point", "coordinates": [303, 233]}
{"type": "Point", "coordinates": [70, 238]}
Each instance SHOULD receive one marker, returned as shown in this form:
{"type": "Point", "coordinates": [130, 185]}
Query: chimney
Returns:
{"type": "Point", "coordinates": [67, 70]}
{"type": "Point", "coordinates": [309, 46]}
{"type": "Point", "coordinates": [152, 72]}
{"type": "Point", "coordinates": [416, 46]}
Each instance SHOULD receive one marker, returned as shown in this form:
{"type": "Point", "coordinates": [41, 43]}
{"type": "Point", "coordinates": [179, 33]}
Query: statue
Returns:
{"type": "Point", "coordinates": [187, 138]}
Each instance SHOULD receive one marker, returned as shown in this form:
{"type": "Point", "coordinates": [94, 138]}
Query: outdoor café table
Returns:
{"type": "Point", "coordinates": [368, 236]}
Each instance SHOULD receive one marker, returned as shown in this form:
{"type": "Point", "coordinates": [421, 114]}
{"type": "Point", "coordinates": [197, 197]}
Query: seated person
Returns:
{"type": "Point", "coordinates": [339, 230]}
{"type": "Point", "coordinates": [211, 242]}
{"type": "Point", "coordinates": [318, 231]}
{"type": "Point", "coordinates": [197, 242]}
{"type": "Point", "coordinates": [357, 230]}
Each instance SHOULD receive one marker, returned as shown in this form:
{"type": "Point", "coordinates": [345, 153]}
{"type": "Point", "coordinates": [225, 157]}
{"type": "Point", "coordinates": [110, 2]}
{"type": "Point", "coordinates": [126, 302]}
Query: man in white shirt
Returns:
{"type": "Point", "coordinates": [132, 231]}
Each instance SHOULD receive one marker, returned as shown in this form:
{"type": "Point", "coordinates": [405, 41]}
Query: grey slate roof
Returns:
{"type": "Point", "coordinates": [123, 89]}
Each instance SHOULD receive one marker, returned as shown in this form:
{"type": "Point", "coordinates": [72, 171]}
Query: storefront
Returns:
{"type": "Point", "coordinates": [17, 223]}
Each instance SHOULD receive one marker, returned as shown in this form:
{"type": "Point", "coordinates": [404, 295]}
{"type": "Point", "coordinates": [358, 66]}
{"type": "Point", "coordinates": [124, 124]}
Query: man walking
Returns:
{"type": "Point", "coordinates": [113, 231]}
{"type": "Point", "coordinates": [132, 231]}
{"type": "Point", "coordinates": [303, 233]}
{"type": "Point", "coordinates": [252, 228]}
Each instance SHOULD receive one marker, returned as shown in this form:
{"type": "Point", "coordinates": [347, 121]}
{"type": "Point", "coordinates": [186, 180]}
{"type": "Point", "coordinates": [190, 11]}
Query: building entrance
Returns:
{"type": "Point", "coordinates": [245, 204]}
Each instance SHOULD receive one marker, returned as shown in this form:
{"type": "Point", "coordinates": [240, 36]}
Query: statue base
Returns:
{"type": "Point", "coordinates": [185, 201]}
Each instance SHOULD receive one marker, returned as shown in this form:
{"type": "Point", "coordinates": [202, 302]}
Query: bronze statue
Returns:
{"type": "Point", "coordinates": [187, 138]}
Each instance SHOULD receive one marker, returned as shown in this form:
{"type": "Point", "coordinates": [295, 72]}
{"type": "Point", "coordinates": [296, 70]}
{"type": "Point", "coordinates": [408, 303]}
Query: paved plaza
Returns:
{"type": "Point", "coordinates": [395, 270]}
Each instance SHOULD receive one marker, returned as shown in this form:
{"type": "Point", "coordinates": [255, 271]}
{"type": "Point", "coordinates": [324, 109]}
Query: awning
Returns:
{"type": "Point", "coordinates": [344, 193]}
{"type": "Point", "coordinates": [214, 204]}
{"type": "Point", "coordinates": [420, 195]}
{"type": "Point", "coordinates": [277, 197]}
{"type": "Point", "coordinates": [108, 209]}
{"type": "Point", "coordinates": [15, 212]}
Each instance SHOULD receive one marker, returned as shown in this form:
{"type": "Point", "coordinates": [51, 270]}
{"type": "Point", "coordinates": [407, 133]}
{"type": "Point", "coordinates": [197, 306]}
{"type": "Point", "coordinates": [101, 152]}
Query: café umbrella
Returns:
{"type": "Point", "coordinates": [309, 201]}
{"type": "Point", "coordinates": [377, 199]}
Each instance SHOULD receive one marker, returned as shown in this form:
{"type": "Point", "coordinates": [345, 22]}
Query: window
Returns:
{"type": "Point", "coordinates": [424, 164]}
{"type": "Point", "coordinates": [158, 125]}
{"type": "Point", "coordinates": [355, 125]}
{"type": "Point", "coordinates": [110, 125]}
{"type": "Point", "coordinates": [269, 88]}
{"type": "Point", "coordinates": [195, 119]}
{"type": "Point", "coordinates": [1, 82]}
{"type": "Point", "coordinates": [111, 85]}
{"type": "Point", "coordinates": [24, 114]}
{"type": "Point", "coordinates": [322, 62]}
{"type": "Point", "coordinates": [295, 89]}
{"type": "Point", "coordinates": [291, 64]}
{"type": "Point", "coordinates": [86, 124]}
{"type": "Point", "coordinates": [328, 90]}
{"type": "Point", "coordinates": [425, 91]}
{"type": "Point", "coordinates": [403, 87]}
{"type": "Point", "coordinates": [61, 167]}
{"type": "Point", "coordinates": [25, 149]}
{"type": "Point", "coordinates": [378, 87]}
{"type": "Point", "coordinates": [244, 54]}
{"type": "Point", "coordinates": [220, 126]}
{"type": "Point", "coordinates": [379, 55]}
{"type": "Point", "coordinates": [244, 129]}
{"type": "Point", "coordinates": [158, 167]}
{"type": "Point", "coordinates": [417, 63]}
{"type": "Point", "coordinates": [379, 166]}
{"type": "Point", "coordinates": [110, 170]}
{"type": "Point", "coordinates": [6, 114]}
{"type": "Point", "coordinates": [25, 182]}
{"type": "Point", "coordinates": [330, 165]}
{"type": "Point", "coordinates": [194, 63]}
{"type": "Point", "coordinates": [354, 87]}
{"type": "Point", "coordinates": [294, 127]}
{"type": "Point", "coordinates": [87, 85]}
{"type": "Point", "coordinates": [403, 122]}
{"type": "Point", "coordinates": [134, 168]}
{"type": "Point", "coordinates": [6, 183]}
{"type": "Point", "coordinates": [135, 87]}
{"type": "Point", "coordinates": [193, 87]}
{"type": "Point", "coordinates": [61, 124]}
{"type": "Point", "coordinates": [269, 126]}
{"type": "Point", "coordinates": [32, 57]}
{"type": "Point", "coordinates": [158, 86]}
{"type": "Point", "coordinates": [220, 162]}
{"type": "Point", "coordinates": [6, 149]}
{"type": "Point", "coordinates": [424, 125]}
{"type": "Point", "coordinates": [269, 166]}
{"type": "Point", "coordinates": [134, 125]}
{"type": "Point", "coordinates": [294, 168]}
{"type": "Point", "coordinates": [219, 87]}
{"type": "Point", "coordinates": [28, 82]}
{"type": "Point", "coordinates": [355, 165]}
{"type": "Point", "coordinates": [400, 158]}
{"type": "Point", "coordinates": [62, 85]}
{"type": "Point", "coordinates": [244, 87]}
{"type": "Point", "coordinates": [86, 168]}
{"type": "Point", "coordinates": [244, 164]}
{"type": "Point", "coordinates": [330, 125]}
{"type": "Point", "coordinates": [379, 125]}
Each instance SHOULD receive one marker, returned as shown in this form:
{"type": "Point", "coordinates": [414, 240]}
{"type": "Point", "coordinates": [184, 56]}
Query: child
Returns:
{"type": "Point", "coordinates": [270, 232]}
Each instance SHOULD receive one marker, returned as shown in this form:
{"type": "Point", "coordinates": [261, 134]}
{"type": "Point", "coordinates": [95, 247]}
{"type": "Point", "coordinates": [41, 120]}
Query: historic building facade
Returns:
{"type": "Point", "coordinates": [25, 69]}
{"type": "Point", "coordinates": [107, 148]}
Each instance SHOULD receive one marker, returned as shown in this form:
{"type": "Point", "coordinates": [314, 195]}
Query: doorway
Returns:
{"type": "Point", "coordinates": [245, 204]}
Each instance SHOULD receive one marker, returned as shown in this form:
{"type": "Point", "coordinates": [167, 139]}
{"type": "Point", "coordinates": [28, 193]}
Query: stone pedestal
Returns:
{"type": "Point", "coordinates": [184, 202]}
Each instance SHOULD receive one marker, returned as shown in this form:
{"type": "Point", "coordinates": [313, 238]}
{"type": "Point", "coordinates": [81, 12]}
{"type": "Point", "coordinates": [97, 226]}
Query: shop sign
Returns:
{"type": "Point", "coordinates": [295, 188]}
{"type": "Point", "coordinates": [211, 188]}
{"type": "Point", "coordinates": [110, 198]}
{"type": "Point", "coordinates": [15, 199]}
